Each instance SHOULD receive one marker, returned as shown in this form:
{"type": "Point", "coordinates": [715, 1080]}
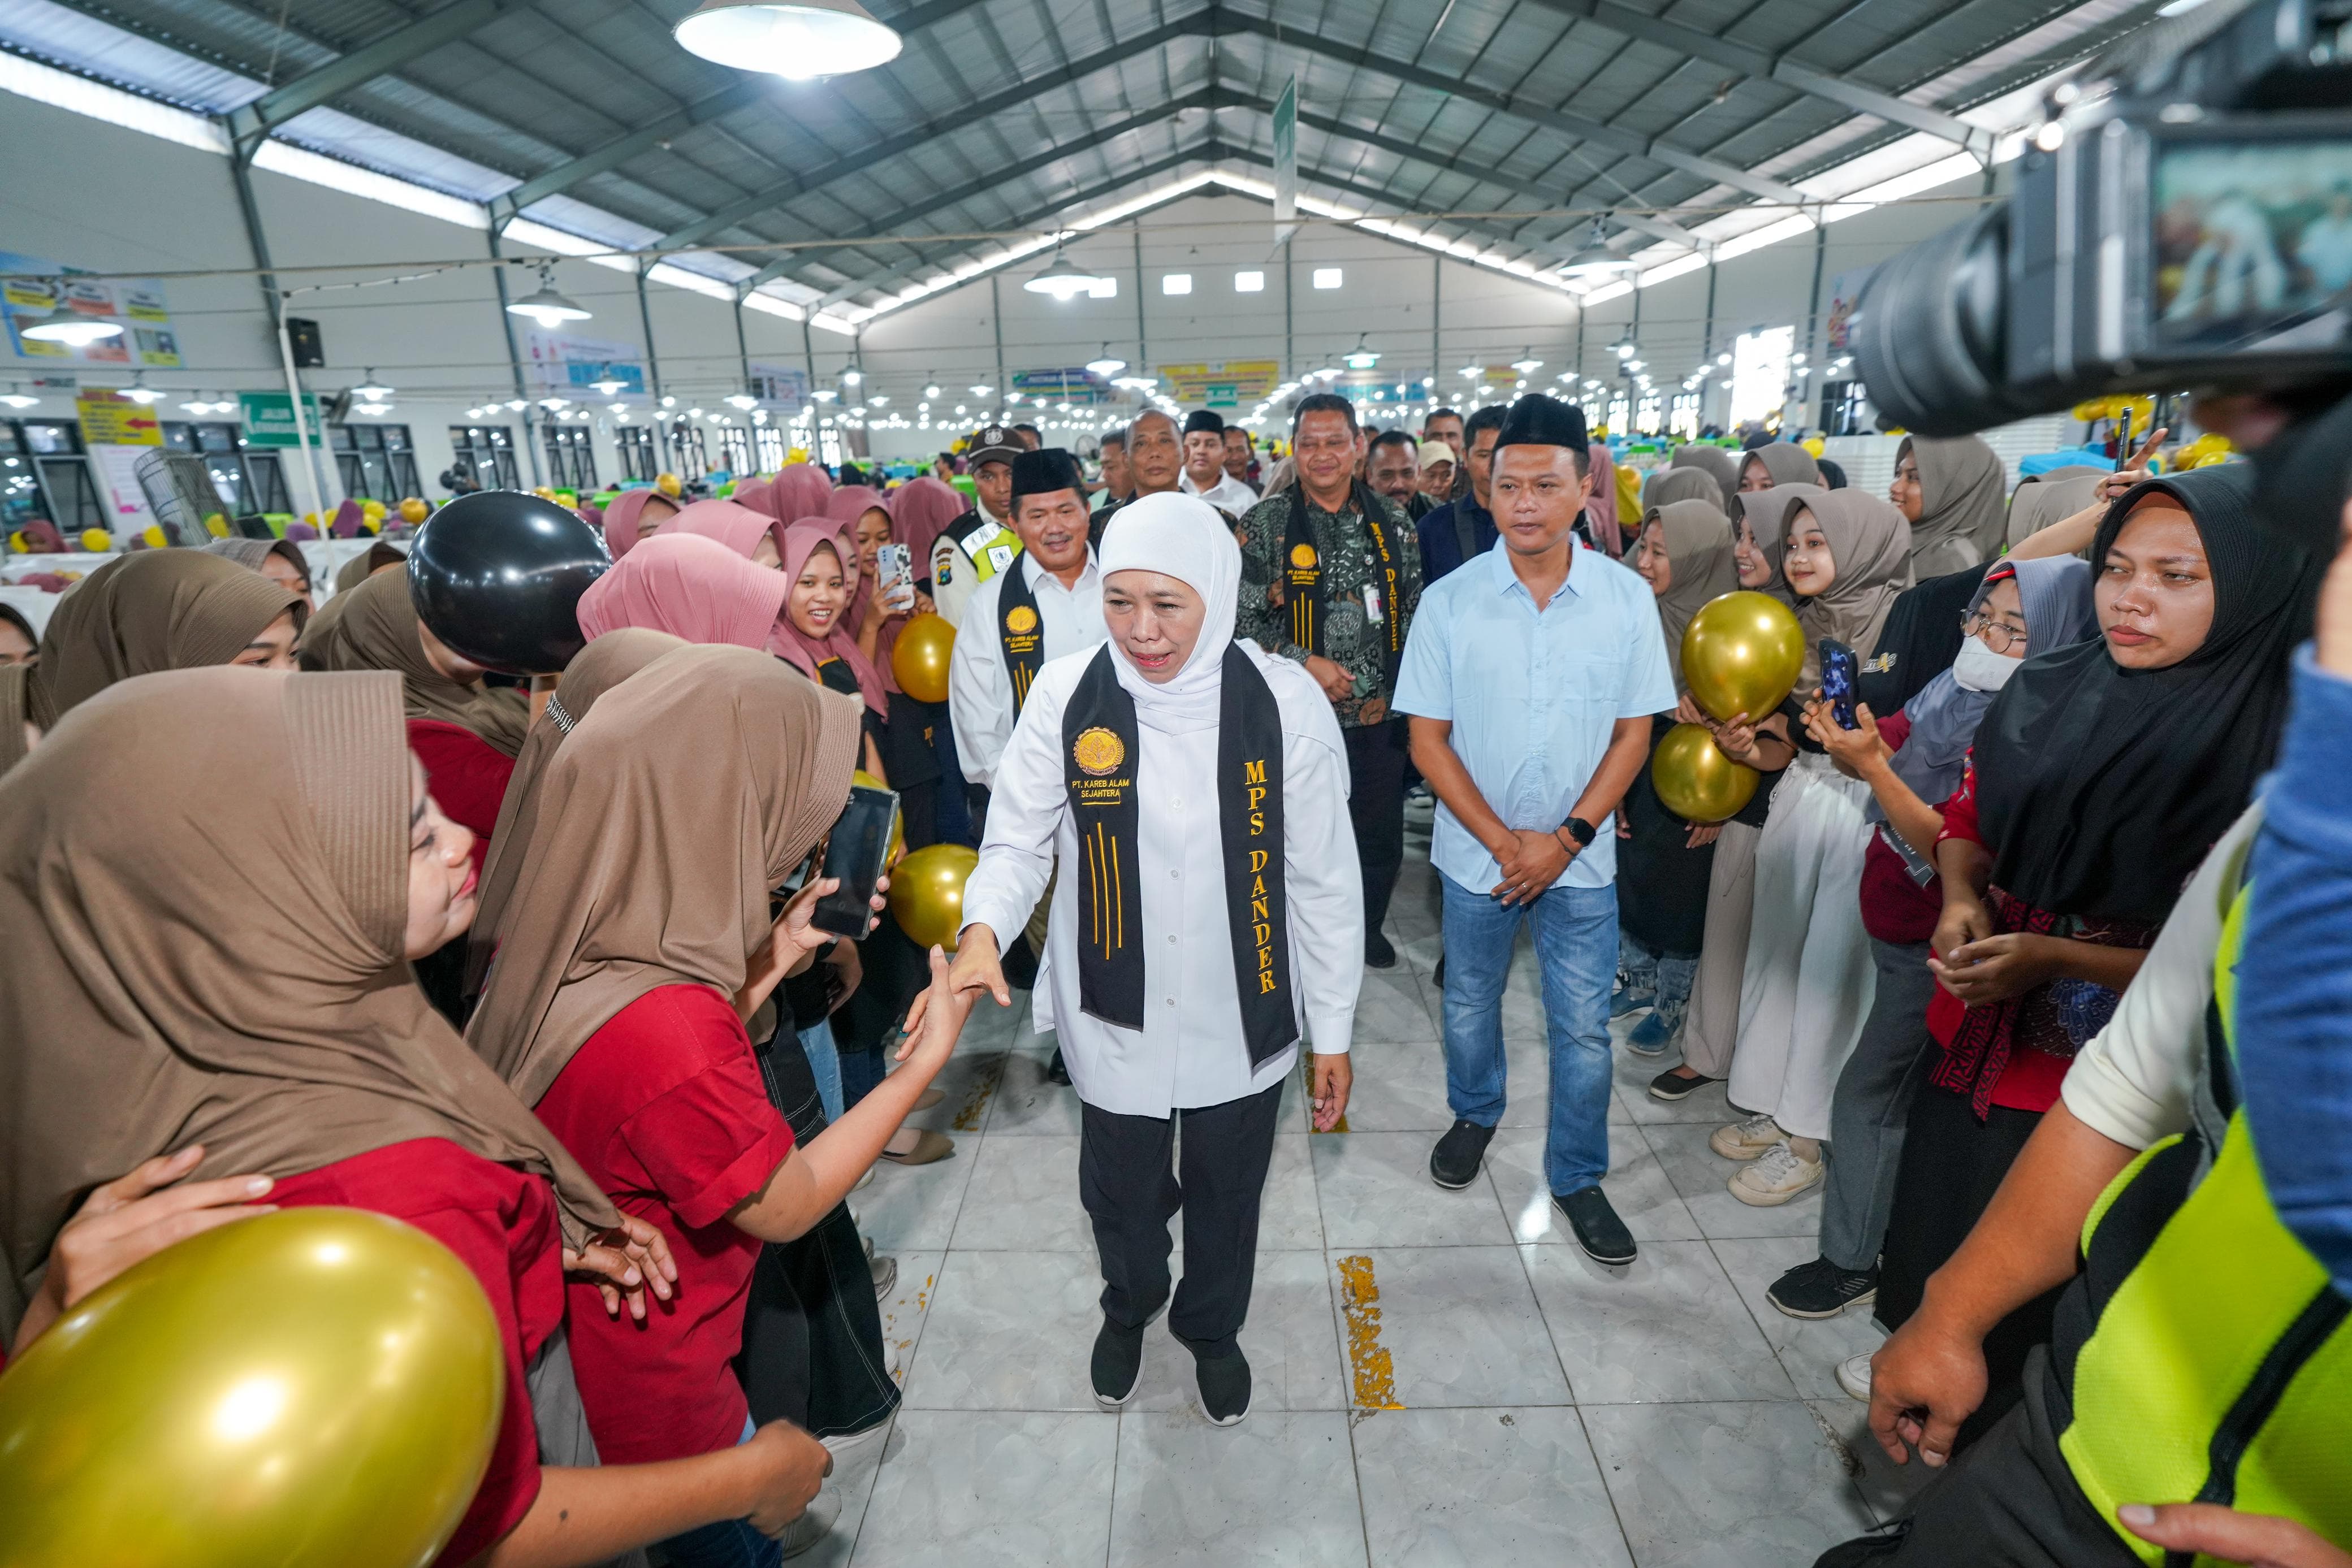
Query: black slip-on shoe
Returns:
{"type": "Point", "coordinates": [1117, 1362]}
{"type": "Point", "coordinates": [1821, 1290]}
{"type": "Point", "coordinates": [1598, 1229]}
{"type": "Point", "coordinates": [1454, 1163]}
{"type": "Point", "coordinates": [1380, 952]}
{"type": "Point", "coordinates": [1671, 1085]}
{"type": "Point", "coordinates": [1224, 1387]}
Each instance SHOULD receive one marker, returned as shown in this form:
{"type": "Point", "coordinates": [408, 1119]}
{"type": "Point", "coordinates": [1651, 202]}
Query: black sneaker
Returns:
{"type": "Point", "coordinates": [1118, 1363]}
{"type": "Point", "coordinates": [1057, 1071]}
{"type": "Point", "coordinates": [1598, 1229]}
{"type": "Point", "coordinates": [1380, 952]}
{"type": "Point", "coordinates": [1224, 1387]}
{"type": "Point", "coordinates": [1671, 1085]}
{"type": "Point", "coordinates": [1821, 1290]}
{"type": "Point", "coordinates": [1454, 1163]}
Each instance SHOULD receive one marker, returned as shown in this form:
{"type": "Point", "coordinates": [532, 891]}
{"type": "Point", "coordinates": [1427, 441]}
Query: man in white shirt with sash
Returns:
{"type": "Point", "coordinates": [1194, 788]}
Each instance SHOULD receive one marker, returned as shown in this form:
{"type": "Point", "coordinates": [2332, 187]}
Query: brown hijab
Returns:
{"type": "Point", "coordinates": [158, 610]}
{"type": "Point", "coordinates": [1788, 463]}
{"type": "Point", "coordinates": [652, 860]}
{"type": "Point", "coordinates": [1699, 553]}
{"type": "Point", "coordinates": [1961, 511]}
{"type": "Point", "coordinates": [1689, 483]}
{"type": "Point", "coordinates": [604, 664]}
{"type": "Point", "coordinates": [1718, 464]}
{"type": "Point", "coordinates": [235, 976]}
{"type": "Point", "coordinates": [2049, 499]}
{"type": "Point", "coordinates": [23, 701]}
{"type": "Point", "coordinates": [1870, 543]}
{"type": "Point", "coordinates": [366, 564]}
{"type": "Point", "coordinates": [250, 553]}
{"type": "Point", "coordinates": [374, 627]}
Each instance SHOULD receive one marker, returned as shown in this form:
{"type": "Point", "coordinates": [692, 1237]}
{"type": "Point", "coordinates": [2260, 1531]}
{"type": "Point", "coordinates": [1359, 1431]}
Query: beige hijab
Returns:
{"type": "Point", "coordinates": [1870, 543]}
{"type": "Point", "coordinates": [1698, 550]}
{"type": "Point", "coordinates": [664, 819]}
{"type": "Point", "coordinates": [1716, 463]}
{"type": "Point", "coordinates": [1788, 463]}
{"type": "Point", "coordinates": [250, 553]}
{"type": "Point", "coordinates": [2049, 499]}
{"type": "Point", "coordinates": [366, 564]}
{"type": "Point", "coordinates": [604, 664]}
{"type": "Point", "coordinates": [235, 976]}
{"type": "Point", "coordinates": [374, 627]}
{"type": "Point", "coordinates": [23, 701]}
{"type": "Point", "coordinates": [1666, 486]}
{"type": "Point", "coordinates": [1961, 511]}
{"type": "Point", "coordinates": [158, 610]}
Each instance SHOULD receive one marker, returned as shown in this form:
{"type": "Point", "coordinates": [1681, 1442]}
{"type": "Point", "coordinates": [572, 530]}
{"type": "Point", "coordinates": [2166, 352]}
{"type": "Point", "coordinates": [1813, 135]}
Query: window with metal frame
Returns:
{"type": "Point", "coordinates": [773, 449]}
{"type": "Point", "coordinates": [571, 460]}
{"type": "Point", "coordinates": [376, 461]}
{"type": "Point", "coordinates": [735, 450]}
{"type": "Point", "coordinates": [488, 451]}
{"type": "Point", "coordinates": [67, 489]}
{"type": "Point", "coordinates": [638, 460]}
{"type": "Point", "coordinates": [689, 456]}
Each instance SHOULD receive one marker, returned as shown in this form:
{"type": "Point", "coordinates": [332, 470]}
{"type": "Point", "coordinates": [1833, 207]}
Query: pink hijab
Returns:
{"type": "Point", "coordinates": [752, 493]}
{"type": "Point", "coordinates": [799, 491]}
{"type": "Point", "coordinates": [1603, 507]}
{"type": "Point", "coordinates": [690, 587]}
{"type": "Point", "coordinates": [737, 527]}
{"type": "Point", "coordinates": [622, 518]}
{"type": "Point", "coordinates": [796, 647]}
{"type": "Point", "coordinates": [851, 502]}
{"type": "Point", "coordinates": [923, 509]}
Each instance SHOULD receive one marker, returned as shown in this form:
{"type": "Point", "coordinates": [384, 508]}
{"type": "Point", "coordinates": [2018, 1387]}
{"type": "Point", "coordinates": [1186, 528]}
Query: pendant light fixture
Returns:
{"type": "Point", "coordinates": [1362, 357]}
{"type": "Point", "coordinates": [1064, 281]}
{"type": "Point", "coordinates": [799, 40]}
{"type": "Point", "coordinates": [1596, 260]}
{"type": "Point", "coordinates": [1107, 366]}
{"type": "Point", "coordinates": [73, 331]}
{"type": "Point", "coordinates": [550, 306]}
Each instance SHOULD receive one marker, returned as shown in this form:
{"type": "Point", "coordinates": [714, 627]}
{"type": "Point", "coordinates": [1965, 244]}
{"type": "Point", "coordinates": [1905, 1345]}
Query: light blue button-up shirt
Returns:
{"type": "Point", "coordinates": [1533, 696]}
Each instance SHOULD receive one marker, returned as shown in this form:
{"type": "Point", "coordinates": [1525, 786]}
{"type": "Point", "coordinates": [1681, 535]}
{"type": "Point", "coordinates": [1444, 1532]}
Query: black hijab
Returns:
{"type": "Point", "coordinates": [2100, 789]}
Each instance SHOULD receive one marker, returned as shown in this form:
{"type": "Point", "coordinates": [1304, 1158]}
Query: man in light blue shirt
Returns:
{"type": "Point", "coordinates": [1530, 676]}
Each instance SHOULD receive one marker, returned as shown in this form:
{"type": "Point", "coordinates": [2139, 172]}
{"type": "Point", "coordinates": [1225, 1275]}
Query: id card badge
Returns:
{"type": "Point", "coordinates": [1373, 602]}
{"type": "Point", "coordinates": [999, 558]}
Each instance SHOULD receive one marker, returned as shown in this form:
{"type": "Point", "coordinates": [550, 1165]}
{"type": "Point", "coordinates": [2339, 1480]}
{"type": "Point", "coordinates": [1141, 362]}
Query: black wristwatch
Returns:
{"type": "Point", "coordinates": [1579, 830]}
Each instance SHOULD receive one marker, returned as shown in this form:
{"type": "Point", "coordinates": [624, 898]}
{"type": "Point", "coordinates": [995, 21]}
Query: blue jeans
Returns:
{"type": "Point", "coordinates": [824, 1063]}
{"type": "Point", "coordinates": [1666, 976]}
{"type": "Point", "coordinates": [861, 1071]}
{"type": "Point", "coordinates": [1576, 947]}
{"type": "Point", "coordinates": [725, 1544]}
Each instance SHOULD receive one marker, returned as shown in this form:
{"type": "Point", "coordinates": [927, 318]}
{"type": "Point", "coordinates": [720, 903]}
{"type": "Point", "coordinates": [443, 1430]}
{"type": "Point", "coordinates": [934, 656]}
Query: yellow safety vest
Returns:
{"type": "Point", "coordinates": [2207, 1358]}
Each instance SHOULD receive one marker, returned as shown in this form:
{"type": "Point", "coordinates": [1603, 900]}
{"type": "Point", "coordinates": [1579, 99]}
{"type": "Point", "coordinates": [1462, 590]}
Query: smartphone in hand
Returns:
{"type": "Point", "coordinates": [1840, 670]}
{"type": "Point", "coordinates": [893, 571]}
{"type": "Point", "coordinates": [856, 853]}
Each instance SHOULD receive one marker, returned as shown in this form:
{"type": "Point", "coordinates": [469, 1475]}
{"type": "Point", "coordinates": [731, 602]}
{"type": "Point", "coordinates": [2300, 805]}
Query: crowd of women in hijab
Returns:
{"type": "Point", "coordinates": [334, 924]}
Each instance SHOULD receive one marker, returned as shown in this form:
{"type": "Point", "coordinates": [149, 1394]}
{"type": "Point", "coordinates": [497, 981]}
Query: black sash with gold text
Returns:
{"type": "Point", "coordinates": [1303, 574]}
{"type": "Point", "coordinates": [1099, 745]}
{"type": "Point", "coordinates": [1020, 632]}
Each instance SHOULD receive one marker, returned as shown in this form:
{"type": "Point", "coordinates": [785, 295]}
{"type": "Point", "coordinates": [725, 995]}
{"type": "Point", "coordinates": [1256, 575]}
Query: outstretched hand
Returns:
{"type": "Point", "coordinates": [623, 1261]}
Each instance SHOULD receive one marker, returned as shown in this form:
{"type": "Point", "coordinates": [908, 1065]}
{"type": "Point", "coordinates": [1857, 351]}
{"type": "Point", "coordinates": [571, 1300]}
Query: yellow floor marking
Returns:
{"type": "Point", "coordinates": [1367, 1359]}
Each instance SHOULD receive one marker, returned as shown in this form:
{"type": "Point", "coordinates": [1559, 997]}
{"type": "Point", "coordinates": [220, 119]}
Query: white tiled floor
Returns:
{"type": "Point", "coordinates": [1505, 1399]}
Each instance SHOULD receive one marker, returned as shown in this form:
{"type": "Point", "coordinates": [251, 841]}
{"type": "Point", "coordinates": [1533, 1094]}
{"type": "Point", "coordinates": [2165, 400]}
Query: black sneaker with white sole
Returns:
{"type": "Point", "coordinates": [1598, 1229]}
{"type": "Point", "coordinates": [1672, 1085]}
{"type": "Point", "coordinates": [1224, 1383]}
{"type": "Point", "coordinates": [1117, 1362]}
{"type": "Point", "coordinates": [1821, 1290]}
{"type": "Point", "coordinates": [1454, 1163]}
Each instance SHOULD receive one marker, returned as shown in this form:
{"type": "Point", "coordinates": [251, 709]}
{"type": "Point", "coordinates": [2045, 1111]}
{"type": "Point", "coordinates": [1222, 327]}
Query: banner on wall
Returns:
{"type": "Point", "coordinates": [109, 418]}
{"type": "Point", "coordinates": [269, 419]}
{"type": "Point", "coordinates": [1845, 288]}
{"type": "Point", "coordinates": [134, 307]}
{"type": "Point", "coordinates": [1286, 161]}
{"type": "Point", "coordinates": [567, 363]}
{"type": "Point", "coordinates": [1224, 385]}
{"type": "Point", "coordinates": [783, 388]}
{"type": "Point", "coordinates": [1072, 384]}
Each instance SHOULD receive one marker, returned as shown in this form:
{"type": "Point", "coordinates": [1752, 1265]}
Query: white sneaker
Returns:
{"type": "Point", "coordinates": [1778, 1175]}
{"type": "Point", "coordinates": [1746, 1140]}
{"type": "Point", "coordinates": [1853, 1376]}
{"type": "Point", "coordinates": [811, 1526]}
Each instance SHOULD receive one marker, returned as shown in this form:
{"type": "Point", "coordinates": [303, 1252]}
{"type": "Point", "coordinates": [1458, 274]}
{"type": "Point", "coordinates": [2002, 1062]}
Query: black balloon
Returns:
{"type": "Point", "coordinates": [497, 576]}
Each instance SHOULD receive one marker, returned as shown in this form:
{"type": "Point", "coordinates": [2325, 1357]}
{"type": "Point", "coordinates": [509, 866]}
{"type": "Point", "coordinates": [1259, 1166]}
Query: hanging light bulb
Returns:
{"type": "Point", "coordinates": [799, 40]}
{"type": "Point", "coordinates": [1107, 366]}
{"type": "Point", "coordinates": [371, 389]}
{"type": "Point", "coordinates": [743, 400]}
{"type": "Point", "coordinates": [1061, 279]}
{"type": "Point", "coordinates": [550, 306]}
{"type": "Point", "coordinates": [1595, 260]}
{"type": "Point", "coordinates": [74, 332]}
{"type": "Point", "coordinates": [1362, 357]}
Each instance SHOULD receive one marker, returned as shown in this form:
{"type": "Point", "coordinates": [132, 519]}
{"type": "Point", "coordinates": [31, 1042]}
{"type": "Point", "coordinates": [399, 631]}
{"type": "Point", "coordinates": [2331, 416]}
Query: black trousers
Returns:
{"type": "Point", "coordinates": [2009, 1501]}
{"type": "Point", "coordinates": [1131, 1182]}
{"type": "Point", "coordinates": [1376, 767]}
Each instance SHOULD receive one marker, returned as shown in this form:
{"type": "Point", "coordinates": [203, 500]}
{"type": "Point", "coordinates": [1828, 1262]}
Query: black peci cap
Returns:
{"type": "Point", "coordinates": [1207, 419]}
{"type": "Point", "coordinates": [1536, 420]}
{"type": "Point", "coordinates": [1045, 470]}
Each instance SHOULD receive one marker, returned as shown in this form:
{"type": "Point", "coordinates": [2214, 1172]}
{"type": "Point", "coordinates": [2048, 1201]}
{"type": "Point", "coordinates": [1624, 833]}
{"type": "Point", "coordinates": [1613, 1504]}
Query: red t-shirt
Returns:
{"type": "Point", "coordinates": [500, 1222]}
{"type": "Point", "coordinates": [666, 1108]}
{"type": "Point", "coordinates": [1894, 908]}
{"type": "Point", "coordinates": [466, 775]}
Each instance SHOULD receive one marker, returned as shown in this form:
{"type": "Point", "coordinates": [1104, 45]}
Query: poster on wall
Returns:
{"type": "Point", "coordinates": [1074, 383]}
{"type": "Point", "coordinates": [783, 388]}
{"type": "Point", "coordinates": [567, 363]}
{"type": "Point", "coordinates": [1224, 385]}
{"type": "Point", "coordinates": [109, 418]}
{"type": "Point", "coordinates": [1845, 288]}
{"type": "Point", "coordinates": [134, 307]}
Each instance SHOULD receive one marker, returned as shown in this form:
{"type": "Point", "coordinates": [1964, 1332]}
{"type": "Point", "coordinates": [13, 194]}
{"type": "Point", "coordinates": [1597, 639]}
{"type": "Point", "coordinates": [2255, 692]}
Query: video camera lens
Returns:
{"type": "Point", "coordinates": [1928, 332]}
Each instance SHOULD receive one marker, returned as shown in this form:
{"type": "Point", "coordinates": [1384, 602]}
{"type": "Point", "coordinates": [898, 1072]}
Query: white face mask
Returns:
{"type": "Point", "coordinates": [1979, 669]}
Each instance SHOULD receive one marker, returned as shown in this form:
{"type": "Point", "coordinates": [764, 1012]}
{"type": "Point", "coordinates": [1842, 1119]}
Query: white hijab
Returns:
{"type": "Point", "coordinates": [1180, 537]}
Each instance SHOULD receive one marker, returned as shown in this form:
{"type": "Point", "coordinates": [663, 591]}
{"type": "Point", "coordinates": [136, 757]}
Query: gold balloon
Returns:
{"type": "Point", "coordinates": [926, 894]}
{"type": "Point", "coordinates": [313, 1386]}
{"type": "Point", "coordinates": [1697, 782]}
{"type": "Point", "coordinates": [920, 659]}
{"type": "Point", "coordinates": [412, 509]}
{"type": "Point", "coordinates": [1742, 653]}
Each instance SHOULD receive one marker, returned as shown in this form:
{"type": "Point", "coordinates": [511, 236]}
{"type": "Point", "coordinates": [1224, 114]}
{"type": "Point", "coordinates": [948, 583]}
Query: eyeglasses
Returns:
{"type": "Point", "coordinates": [1999, 635]}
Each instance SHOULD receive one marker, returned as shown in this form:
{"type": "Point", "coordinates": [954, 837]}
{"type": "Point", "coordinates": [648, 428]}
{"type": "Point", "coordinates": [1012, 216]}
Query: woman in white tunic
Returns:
{"type": "Point", "coordinates": [1809, 980]}
{"type": "Point", "coordinates": [1195, 792]}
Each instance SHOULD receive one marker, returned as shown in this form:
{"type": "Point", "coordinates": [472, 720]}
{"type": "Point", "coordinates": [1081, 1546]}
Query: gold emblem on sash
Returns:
{"type": "Point", "coordinates": [1019, 620]}
{"type": "Point", "coordinates": [1302, 556]}
{"type": "Point", "coordinates": [1097, 751]}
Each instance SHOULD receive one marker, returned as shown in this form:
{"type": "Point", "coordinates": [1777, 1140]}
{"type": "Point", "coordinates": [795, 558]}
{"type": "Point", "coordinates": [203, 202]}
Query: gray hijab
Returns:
{"type": "Point", "coordinates": [1960, 518]}
{"type": "Point", "coordinates": [2054, 594]}
{"type": "Point", "coordinates": [250, 553]}
{"type": "Point", "coordinates": [1716, 463]}
{"type": "Point", "coordinates": [1788, 463]}
{"type": "Point", "coordinates": [2050, 497]}
{"type": "Point", "coordinates": [1664, 486]}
